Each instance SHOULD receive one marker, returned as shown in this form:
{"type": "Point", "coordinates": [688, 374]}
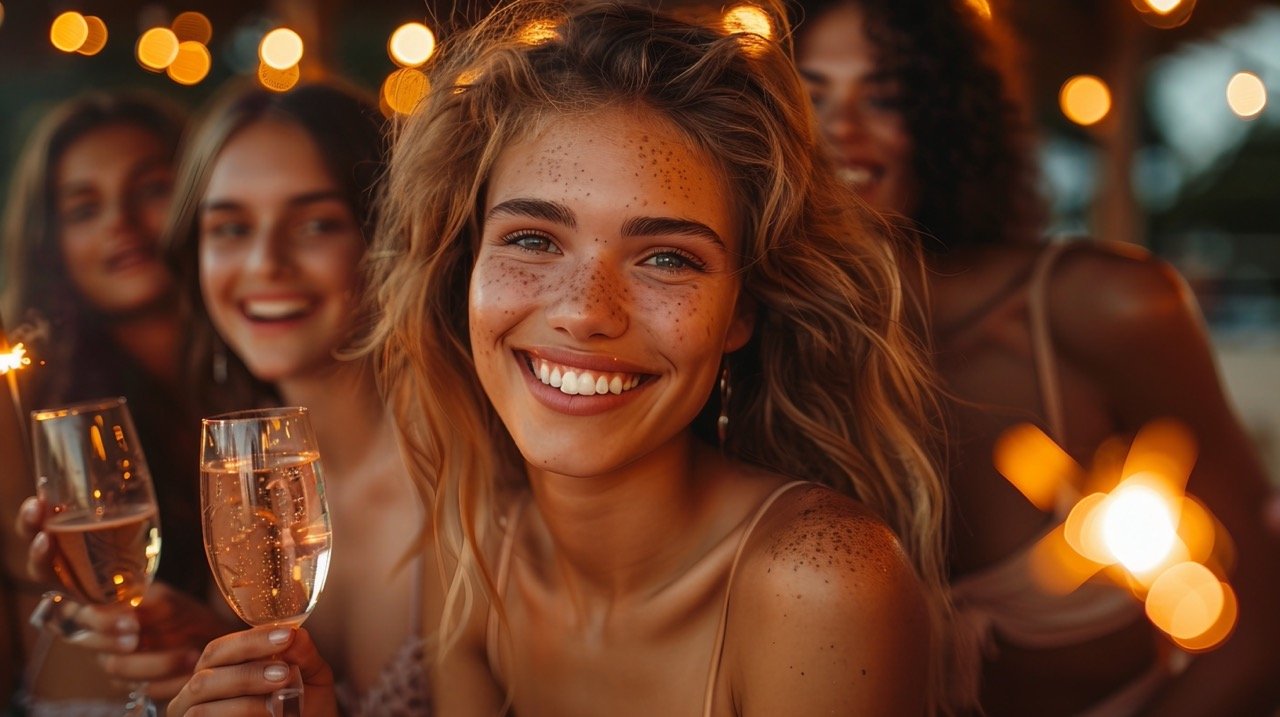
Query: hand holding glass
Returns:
{"type": "Point", "coordinates": [266, 522]}
{"type": "Point", "coordinates": [104, 524]}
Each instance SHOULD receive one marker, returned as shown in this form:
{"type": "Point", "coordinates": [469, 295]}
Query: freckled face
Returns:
{"type": "Point", "coordinates": [112, 189]}
{"type": "Point", "coordinates": [604, 292]}
{"type": "Point", "coordinates": [279, 252]}
{"type": "Point", "coordinates": [859, 108]}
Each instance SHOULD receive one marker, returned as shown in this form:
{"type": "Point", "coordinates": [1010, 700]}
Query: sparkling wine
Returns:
{"type": "Point", "coordinates": [110, 557]}
{"type": "Point", "coordinates": [267, 536]}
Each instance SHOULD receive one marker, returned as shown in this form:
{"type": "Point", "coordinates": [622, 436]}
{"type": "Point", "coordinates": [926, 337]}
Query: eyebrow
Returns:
{"type": "Point", "coordinates": [74, 189]}
{"type": "Point", "coordinates": [323, 195]}
{"type": "Point", "coordinates": [876, 77]}
{"type": "Point", "coordinates": [535, 209]}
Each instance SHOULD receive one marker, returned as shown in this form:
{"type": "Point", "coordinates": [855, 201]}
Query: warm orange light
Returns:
{"type": "Point", "coordinates": [982, 7]}
{"type": "Point", "coordinates": [97, 37]}
{"type": "Point", "coordinates": [1138, 526]}
{"type": "Point", "coordinates": [1165, 450]}
{"type": "Point", "coordinates": [1085, 99]}
{"type": "Point", "coordinates": [748, 19]}
{"type": "Point", "coordinates": [278, 80]}
{"type": "Point", "coordinates": [1082, 529]}
{"type": "Point", "coordinates": [157, 48]}
{"type": "Point", "coordinates": [537, 32]}
{"type": "Point", "coordinates": [411, 44]}
{"type": "Point", "coordinates": [14, 359]}
{"type": "Point", "coordinates": [69, 31]}
{"type": "Point", "coordinates": [1034, 464]}
{"type": "Point", "coordinates": [192, 26]}
{"type": "Point", "coordinates": [191, 65]}
{"type": "Point", "coordinates": [404, 89]}
{"type": "Point", "coordinates": [1, 13]}
{"type": "Point", "coordinates": [1221, 628]}
{"type": "Point", "coordinates": [1246, 95]}
{"type": "Point", "coordinates": [1197, 530]}
{"type": "Point", "coordinates": [1185, 601]}
{"type": "Point", "coordinates": [1163, 7]}
{"type": "Point", "coordinates": [1056, 567]}
{"type": "Point", "coordinates": [280, 49]}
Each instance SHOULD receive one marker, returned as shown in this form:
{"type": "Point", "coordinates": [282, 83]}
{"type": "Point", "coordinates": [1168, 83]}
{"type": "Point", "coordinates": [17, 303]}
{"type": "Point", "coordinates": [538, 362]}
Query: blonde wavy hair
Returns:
{"type": "Point", "coordinates": [834, 385]}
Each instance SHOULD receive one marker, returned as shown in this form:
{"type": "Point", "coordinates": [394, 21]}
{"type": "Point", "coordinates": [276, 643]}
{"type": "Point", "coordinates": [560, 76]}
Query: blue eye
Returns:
{"type": "Point", "coordinates": [672, 260]}
{"type": "Point", "coordinates": [227, 230]}
{"type": "Point", "coordinates": [80, 212]}
{"type": "Point", "coordinates": [532, 241]}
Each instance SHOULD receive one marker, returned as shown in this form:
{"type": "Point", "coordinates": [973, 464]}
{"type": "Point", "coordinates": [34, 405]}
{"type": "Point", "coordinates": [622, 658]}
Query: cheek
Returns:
{"type": "Point", "coordinates": [501, 292]}
{"type": "Point", "coordinates": [693, 319]}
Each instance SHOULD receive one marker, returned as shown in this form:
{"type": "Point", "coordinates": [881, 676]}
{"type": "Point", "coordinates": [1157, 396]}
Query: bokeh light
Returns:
{"type": "Point", "coordinates": [278, 80]}
{"type": "Point", "coordinates": [97, 37]}
{"type": "Point", "coordinates": [411, 44]}
{"type": "Point", "coordinates": [1164, 7]}
{"type": "Point", "coordinates": [1034, 464]}
{"type": "Point", "coordinates": [749, 19]}
{"type": "Point", "coordinates": [982, 7]}
{"type": "Point", "coordinates": [192, 26]}
{"type": "Point", "coordinates": [1085, 99]}
{"type": "Point", "coordinates": [1246, 95]}
{"type": "Point", "coordinates": [1137, 527]}
{"type": "Point", "coordinates": [1186, 601]}
{"type": "Point", "coordinates": [280, 49]}
{"type": "Point", "coordinates": [157, 48]}
{"type": "Point", "coordinates": [191, 65]}
{"type": "Point", "coordinates": [69, 31]}
{"type": "Point", "coordinates": [404, 89]}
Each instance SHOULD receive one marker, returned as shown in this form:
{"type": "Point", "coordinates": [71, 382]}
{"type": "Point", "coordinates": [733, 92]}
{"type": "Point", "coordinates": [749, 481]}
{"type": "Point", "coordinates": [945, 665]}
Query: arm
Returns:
{"type": "Point", "coordinates": [238, 672]}
{"type": "Point", "coordinates": [1130, 323]}
{"type": "Point", "coordinates": [829, 619]}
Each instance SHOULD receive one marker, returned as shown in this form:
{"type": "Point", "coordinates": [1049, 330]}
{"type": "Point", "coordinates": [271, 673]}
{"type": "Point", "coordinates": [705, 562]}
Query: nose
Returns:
{"type": "Point", "coordinates": [592, 303]}
{"type": "Point", "coordinates": [842, 119]}
{"type": "Point", "coordinates": [268, 254]}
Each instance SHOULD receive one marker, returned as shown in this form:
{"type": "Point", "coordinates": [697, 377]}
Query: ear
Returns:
{"type": "Point", "coordinates": [743, 324]}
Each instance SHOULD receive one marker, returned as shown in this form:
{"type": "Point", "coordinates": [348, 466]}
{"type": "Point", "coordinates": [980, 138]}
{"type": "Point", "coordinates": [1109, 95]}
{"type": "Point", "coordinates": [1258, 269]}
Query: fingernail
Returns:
{"type": "Point", "coordinates": [127, 623]}
{"type": "Point", "coordinates": [30, 510]}
{"type": "Point", "coordinates": [128, 642]}
{"type": "Point", "coordinates": [275, 673]}
{"type": "Point", "coordinates": [279, 637]}
{"type": "Point", "coordinates": [40, 543]}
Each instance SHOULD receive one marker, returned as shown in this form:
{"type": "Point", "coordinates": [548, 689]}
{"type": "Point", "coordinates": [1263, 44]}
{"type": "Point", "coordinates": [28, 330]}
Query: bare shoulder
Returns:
{"type": "Point", "coordinates": [827, 610]}
{"type": "Point", "coordinates": [1115, 297]}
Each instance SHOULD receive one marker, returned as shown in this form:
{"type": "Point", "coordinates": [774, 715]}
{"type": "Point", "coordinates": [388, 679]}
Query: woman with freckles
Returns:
{"type": "Point", "coordinates": [618, 294]}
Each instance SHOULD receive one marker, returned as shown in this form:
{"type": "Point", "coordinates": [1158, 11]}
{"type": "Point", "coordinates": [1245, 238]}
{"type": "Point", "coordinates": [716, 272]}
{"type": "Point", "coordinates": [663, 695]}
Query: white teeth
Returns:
{"type": "Point", "coordinates": [576, 382]}
{"type": "Point", "coordinates": [855, 176]}
{"type": "Point", "coordinates": [275, 308]}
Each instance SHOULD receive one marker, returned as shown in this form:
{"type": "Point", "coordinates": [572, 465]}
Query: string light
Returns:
{"type": "Point", "coordinates": [278, 80]}
{"type": "Point", "coordinates": [69, 31]}
{"type": "Point", "coordinates": [192, 26]}
{"type": "Point", "coordinates": [97, 37]}
{"type": "Point", "coordinates": [192, 63]}
{"type": "Point", "coordinates": [280, 49]}
{"type": "Point", "coordinates": [404, 89]}
{"type": "Point", "coordinates": [412, 44]}
{"type": "Point", "coordinates": [1085, 99]}
{"type": "Point", "coordinates": [157, 48]}
{"type": "Point", "coordinates": [1246, 95]}
{"type": "Point", "coordinates": [748, 19]}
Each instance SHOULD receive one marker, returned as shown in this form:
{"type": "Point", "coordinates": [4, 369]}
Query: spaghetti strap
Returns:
{"type": "Point", "coordinates": [717, 650]}
{"type": "Point", "coordinates": [1042, 340]}
{"type": "Point", "coordinates": [504, 569]}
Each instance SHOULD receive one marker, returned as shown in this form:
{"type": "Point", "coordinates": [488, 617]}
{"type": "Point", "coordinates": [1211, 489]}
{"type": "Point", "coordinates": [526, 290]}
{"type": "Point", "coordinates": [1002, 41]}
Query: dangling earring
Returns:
{"type": "Point", "coordinates": [219, 362]}
{"type": "Point", "coordinates": [722, 423]}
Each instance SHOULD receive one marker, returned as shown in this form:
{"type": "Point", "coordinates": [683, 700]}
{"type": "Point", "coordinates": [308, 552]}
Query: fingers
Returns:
{"type": "Point", "coordinates": [303, 653]}
{"type": "Point", "coordinates": [230, 690]}
{"type": "Point", "coordinates": [40, 552]}
{"type": "Point", "coordinates": [164, 672]}
{"type": "Point", "coordinates": [260, 643]}
{"type": "Point", "coordinates": [30, 518]}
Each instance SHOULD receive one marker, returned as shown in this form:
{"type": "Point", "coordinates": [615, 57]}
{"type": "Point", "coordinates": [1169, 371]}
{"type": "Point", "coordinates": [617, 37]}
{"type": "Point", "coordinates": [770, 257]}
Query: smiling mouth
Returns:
{"type": "Point", "coordinates": [272, 310]}
{"type": "Point", "coordinates": [859, 176]}
{"type": "Point", "coordinates": [129, 258]}
{"type": "Point", "coordinates": [575, 381]}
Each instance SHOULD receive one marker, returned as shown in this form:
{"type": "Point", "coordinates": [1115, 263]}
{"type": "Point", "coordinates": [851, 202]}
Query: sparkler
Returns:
{"type": "Point", "coordinates": [11, 360]}
{"type": "Point", "coordinates": [1129, 519]}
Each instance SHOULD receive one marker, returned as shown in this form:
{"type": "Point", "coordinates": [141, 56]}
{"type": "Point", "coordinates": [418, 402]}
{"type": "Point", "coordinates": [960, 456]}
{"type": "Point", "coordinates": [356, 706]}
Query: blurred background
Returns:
{"type": "Point", "coordinates": [1159, 119]}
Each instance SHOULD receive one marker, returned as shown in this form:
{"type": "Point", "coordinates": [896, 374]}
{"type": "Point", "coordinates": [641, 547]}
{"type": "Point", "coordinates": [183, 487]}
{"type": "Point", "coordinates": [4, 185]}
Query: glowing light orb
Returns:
{"type": "Point", "coordinates": [1085, 99]}
{"type": "Point", "coordinates": [749, 19]}
{"type": "Point", "coordinates": [537, 32]}
{"type": "Point", "coordinates": [69, 31]}
{"type": "Point", "coordinates": [411, 44]}
{"type": "Point", "coordinates": [1138, 527]}
{"type": "Point", "coordinates": [404, 89]}
{"type": "Point", "coordinates": [280, 49]}
{"type": "Point", "coordinates": [982, 7]}
{"type": "Point", "coordinates": [157, 48]}
{"type": "Point", "coordinates": [97, 37]}
{"type": "Point", "coordinates": [192, 26]}
{"type": "Point", "coordinates": [1164, 7]}
{"type": "Point", "coordinates": [278, 80]}
{"type": "Point", "coordinates": [1246, 95]}
{"type": "Point", "coordinates": [1186, 600]}
{"type": "Point", "coordinates": [191, 65]}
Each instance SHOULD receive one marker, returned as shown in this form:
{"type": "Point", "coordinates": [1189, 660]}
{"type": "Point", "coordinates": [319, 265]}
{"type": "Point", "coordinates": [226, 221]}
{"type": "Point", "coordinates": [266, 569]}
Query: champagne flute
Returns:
{"type": "Point", "coordinates": [104, 523]}
{"type": "Point", "coordinates": [265, 519]}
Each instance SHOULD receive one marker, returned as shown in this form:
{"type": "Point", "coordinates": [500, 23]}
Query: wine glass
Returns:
{"type": "Point", "coordinates": [104, 523]}
{"type": "Point", "coordinates": [265, 519]}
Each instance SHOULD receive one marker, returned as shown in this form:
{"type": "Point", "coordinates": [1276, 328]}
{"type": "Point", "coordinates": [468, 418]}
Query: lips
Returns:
{"type": "Point", "coordinates": [130, 257]}
{"type": "Point", "coordinates": [859, 175]}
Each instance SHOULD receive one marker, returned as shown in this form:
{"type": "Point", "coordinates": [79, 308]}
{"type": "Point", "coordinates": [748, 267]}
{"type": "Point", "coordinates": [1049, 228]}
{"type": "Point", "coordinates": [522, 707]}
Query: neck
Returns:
{"type": "Point", "coordinates": [630, 531]}
{"type": "Point", "coordinates": [346, 411]}
{"type": "Point", "coordinates": [151, 339]}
